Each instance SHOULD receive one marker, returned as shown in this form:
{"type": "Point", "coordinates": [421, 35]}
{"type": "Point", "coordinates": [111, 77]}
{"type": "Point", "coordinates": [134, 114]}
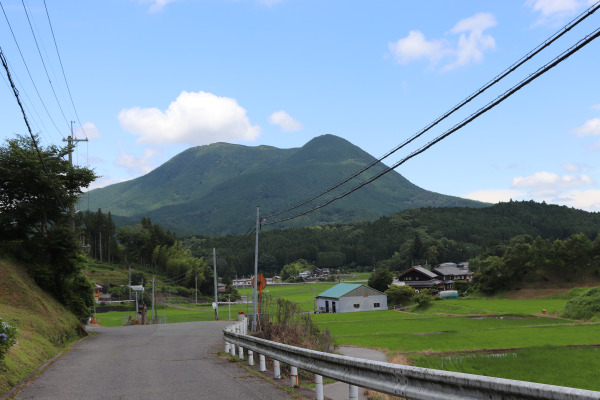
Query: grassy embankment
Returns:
{"type": "Point", "coordinates": [44, 326]}
{"type": "Point", "coordinates": [494, 337]}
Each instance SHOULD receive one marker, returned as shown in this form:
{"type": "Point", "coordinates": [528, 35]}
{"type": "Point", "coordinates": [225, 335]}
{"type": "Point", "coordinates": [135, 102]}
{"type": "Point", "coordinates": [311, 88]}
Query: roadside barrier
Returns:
{"type": "Point", "coordinates": [399, 380]}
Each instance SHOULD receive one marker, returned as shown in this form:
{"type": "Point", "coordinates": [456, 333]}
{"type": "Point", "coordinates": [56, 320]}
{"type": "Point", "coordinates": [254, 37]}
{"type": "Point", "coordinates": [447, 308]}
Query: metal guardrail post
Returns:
{"type": "Point", "coordinates": [294, 377]}
{"type": "Point", "coordinates": [227, 347]}
{"type": "Point", "coordinates": [276, 370]}
{"type": "Point", "coordinates": [319, 387]}
{"type": "Point", "coordinates": [250, 357]}
{"type": "Point", "coordinates": [241, 353]}
{"type": "Point", "coordinates": [263, 364]}
{"type": "Point", "coordinates": [352, 392]}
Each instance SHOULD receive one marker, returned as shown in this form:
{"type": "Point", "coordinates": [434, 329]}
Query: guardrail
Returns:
{"type": "Point", "coordinates": [399, 380]}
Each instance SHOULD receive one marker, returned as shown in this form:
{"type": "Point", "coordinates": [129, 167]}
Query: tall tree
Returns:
{"type": "Point", "coordinates": [38, 187]}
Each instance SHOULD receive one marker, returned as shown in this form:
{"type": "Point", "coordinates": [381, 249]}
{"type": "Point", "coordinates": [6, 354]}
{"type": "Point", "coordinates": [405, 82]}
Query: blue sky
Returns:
{"type": "Point", "coordinates": [151, 78]}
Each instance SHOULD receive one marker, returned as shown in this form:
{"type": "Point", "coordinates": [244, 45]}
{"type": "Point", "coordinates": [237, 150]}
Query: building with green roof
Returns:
{"type": "Point", "coordinates": [350, 297]}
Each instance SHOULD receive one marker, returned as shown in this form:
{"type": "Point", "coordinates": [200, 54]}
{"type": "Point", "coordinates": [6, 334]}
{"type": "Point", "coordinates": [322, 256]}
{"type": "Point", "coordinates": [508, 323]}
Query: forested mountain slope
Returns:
{"type": "Point", "coordinates": [215, 189]}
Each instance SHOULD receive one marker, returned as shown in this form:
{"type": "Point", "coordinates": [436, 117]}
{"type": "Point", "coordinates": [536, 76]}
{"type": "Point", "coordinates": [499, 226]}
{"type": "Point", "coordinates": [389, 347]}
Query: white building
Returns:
{"type": "Point", "coordinates": [351, 297]}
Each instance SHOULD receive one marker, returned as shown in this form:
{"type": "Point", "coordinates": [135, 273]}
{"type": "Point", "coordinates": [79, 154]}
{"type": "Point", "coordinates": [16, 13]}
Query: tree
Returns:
{"type": "Point", "coordinates": [35, 203]}
{"type": "Point", "coordinates": [380, 280]}
{"type": "Point", "coordinates": [34, 199]}
{"type": "Point", "coordinates": [398, 295]}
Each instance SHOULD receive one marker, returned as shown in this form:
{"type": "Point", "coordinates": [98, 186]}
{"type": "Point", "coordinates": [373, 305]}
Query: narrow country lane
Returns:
{"type": "Point", "coordinates": [173, 361]}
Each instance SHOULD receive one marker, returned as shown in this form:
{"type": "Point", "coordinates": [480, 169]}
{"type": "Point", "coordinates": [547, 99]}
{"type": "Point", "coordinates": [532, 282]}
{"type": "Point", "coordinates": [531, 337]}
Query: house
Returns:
{"type": "Point", "coordinates": [350, 297]}
{"type": "Point", "coordinates": [420, 278]}
{"type": "Point", "coordinates": [450, 272]}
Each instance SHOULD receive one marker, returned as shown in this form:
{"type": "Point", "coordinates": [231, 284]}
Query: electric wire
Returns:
{"type": "Point", "coordinates": [592, 9]}
{"type": "Point", "coordinates": [63, 70]}
{"type": "Point", "coordinates": [542, 70]}
{"type": "Point", "coordinates": [43, 63]}
{"type": "Point", "coordinates": [16, 93]}
{"type": "Point", "coordinates": [29, 72]}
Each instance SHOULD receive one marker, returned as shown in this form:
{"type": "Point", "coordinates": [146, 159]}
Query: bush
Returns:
{"type": "Point", "coordinates": [398, 295]}
{"type": "Point", "coordinates": [585, 306]}
{"type": "Point", "coordinates": [8, 337]}
{"type": "Point", "coordinates": [422, 299]}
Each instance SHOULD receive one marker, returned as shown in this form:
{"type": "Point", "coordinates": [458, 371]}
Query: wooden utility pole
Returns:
{"type": "Point", "coordinates": [70, 141]}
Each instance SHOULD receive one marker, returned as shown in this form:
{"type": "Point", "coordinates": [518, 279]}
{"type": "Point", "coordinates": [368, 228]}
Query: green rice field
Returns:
{"type": "Point", "coordinates": [495, 337]}
{"type": "Point", "coordinates": [563, 366]}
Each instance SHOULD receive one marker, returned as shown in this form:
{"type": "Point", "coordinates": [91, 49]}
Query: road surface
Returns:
{"type": "Point", "coordinates": [173, 361]}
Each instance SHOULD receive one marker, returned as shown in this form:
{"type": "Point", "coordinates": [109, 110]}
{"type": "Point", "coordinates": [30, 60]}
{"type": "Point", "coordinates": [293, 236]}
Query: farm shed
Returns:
{"type": "Point", "coordinates": [350, 297]}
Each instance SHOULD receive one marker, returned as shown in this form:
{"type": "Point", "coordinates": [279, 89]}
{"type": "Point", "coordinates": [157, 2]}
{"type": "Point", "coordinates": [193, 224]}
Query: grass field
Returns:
{"type": "Point", "coordinates": [532, 347]}
{"type": "Point", "coordinates": [570, 366]}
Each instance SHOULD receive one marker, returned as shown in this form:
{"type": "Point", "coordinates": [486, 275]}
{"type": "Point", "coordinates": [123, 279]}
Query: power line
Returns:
{"type": "Point", "coordinates": [43, 63]}
{"type": "Point", "coordinates": [579, 45]}
{"type": "Point", "coordinates": [468, 99]}
{"type": "Point", "coordinates": [16, 93]}
{"type": "Point", "coordinates": [28, 72]}
{"type": "Point", "coordinates": [63, 70]}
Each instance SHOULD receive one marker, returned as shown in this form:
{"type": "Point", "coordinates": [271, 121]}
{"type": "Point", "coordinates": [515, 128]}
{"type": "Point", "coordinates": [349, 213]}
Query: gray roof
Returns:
{"type": "Point", "coordinates": [446, 269]}
{"type": "Point", "coordinates": [424, 271]}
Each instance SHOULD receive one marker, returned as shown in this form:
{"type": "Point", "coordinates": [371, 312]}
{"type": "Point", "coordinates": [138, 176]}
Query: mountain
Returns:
{"type": "Point", "coordinates": [215, 189]}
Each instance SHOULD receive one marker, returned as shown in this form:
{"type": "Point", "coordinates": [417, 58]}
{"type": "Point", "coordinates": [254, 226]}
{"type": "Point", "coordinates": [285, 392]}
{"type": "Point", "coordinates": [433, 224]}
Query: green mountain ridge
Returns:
{"type": "Point", "coordinates": [215, 189]}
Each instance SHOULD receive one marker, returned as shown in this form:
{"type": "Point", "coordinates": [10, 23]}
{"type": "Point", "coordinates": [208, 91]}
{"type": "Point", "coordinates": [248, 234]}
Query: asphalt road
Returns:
{"type": "Point", "coordinates": [173, 361]}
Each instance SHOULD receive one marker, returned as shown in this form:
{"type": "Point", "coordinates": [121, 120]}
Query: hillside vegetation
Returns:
{"type": "Point", "coordinates": [215, 189]}
{"type": "Point", "coordinates": [44, 326]}
{"type": "Point", "coordinates": [417, 236]}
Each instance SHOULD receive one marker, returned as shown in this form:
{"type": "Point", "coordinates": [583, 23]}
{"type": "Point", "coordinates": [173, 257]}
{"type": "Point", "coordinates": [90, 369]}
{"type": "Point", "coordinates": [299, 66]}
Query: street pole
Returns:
{"type": "Point", "coordinates": [153, 300]}
{"type": "Point", "coordinates": [196, 280]}
{"type": "Point", "coordinates": [129, 282]}
{"type": "Point", "coordinates": [215, 280]}
{"type": "Point", "coordinates": [254, 320]}
{"type": "Point", "coordinates": [229, 306]}
{"type": "Point", "coordinates": [70, 141]}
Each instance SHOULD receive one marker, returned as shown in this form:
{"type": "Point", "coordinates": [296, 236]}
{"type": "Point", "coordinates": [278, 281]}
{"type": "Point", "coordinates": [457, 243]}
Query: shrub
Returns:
{"type": "Point", "coordinates": [586, 306]}
{"type": "Point", "coordinates": [8, 337]}
{"type": "Point", "coordinates": [422, 299]}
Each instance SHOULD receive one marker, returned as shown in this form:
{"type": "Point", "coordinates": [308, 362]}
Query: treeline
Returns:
{"type": "Point", "coordinates": [526, 259]}
{"type": "Point", "coordinates": [425, 236]}
{"type": "Point", "coordinates": [144, 244]}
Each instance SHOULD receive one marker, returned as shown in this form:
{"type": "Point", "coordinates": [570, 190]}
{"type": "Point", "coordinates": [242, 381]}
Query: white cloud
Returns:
{"type": "Point", "coordinates": [472, 42]}
{"type": "Point", "coordinates": [103, 182]}
{"type": "Point", "coordinates": [572, 168]}
{"type": "Point", "coordinates": [495, 195]}
{"type": "Point", "coordinates": [555, 11]}
{"type": "Point", "coordinates": [156, 5]}
{"type": "Point", "coordinates": [589, 128]}
{"type": "Point", "coordinates": [544, 183]}
{"type": "Point", "coordinates": [285, 121]}
{"type": "Point", "coordinates": [137, 165]}
{"type": "Point", "coordinates": [415, 47]}
{"type": "Point", "coordinates": [470, 48]}
{"type": "Point", "coordinates": [88, 130]}
{"type": "Point", "coordinates": [595, 107]}
{"type": "Point", "coordinates": [194, 118]}
{"type": "Point", "coordinates": [583, 199]}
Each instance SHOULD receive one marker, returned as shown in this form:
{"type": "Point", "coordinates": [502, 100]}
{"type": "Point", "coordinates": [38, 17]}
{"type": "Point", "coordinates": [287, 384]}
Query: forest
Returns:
{"type": "Point", "coordinates": [504, 243]}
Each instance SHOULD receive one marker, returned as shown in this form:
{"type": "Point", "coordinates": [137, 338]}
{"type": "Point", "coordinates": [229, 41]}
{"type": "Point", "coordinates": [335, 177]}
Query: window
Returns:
{"type": "Point", "coordinates": [357, 306]}
{"type": "Point", "coordinates": [376, 305]}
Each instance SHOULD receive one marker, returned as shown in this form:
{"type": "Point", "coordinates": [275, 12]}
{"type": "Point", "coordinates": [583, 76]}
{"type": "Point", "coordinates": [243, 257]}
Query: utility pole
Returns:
{"type": "Point", "coordinates": [129, 282]}
{"type": "Point", "coordinates": [70, 141]}
{"type": "Point", "coordinates": [216, 283]}
{"type": "Point", "coordinates": [153, 321]}
{"type": "Point", "coordinates": [196, 285]}
{"type": "Point", "coordinates": [254, 320]}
